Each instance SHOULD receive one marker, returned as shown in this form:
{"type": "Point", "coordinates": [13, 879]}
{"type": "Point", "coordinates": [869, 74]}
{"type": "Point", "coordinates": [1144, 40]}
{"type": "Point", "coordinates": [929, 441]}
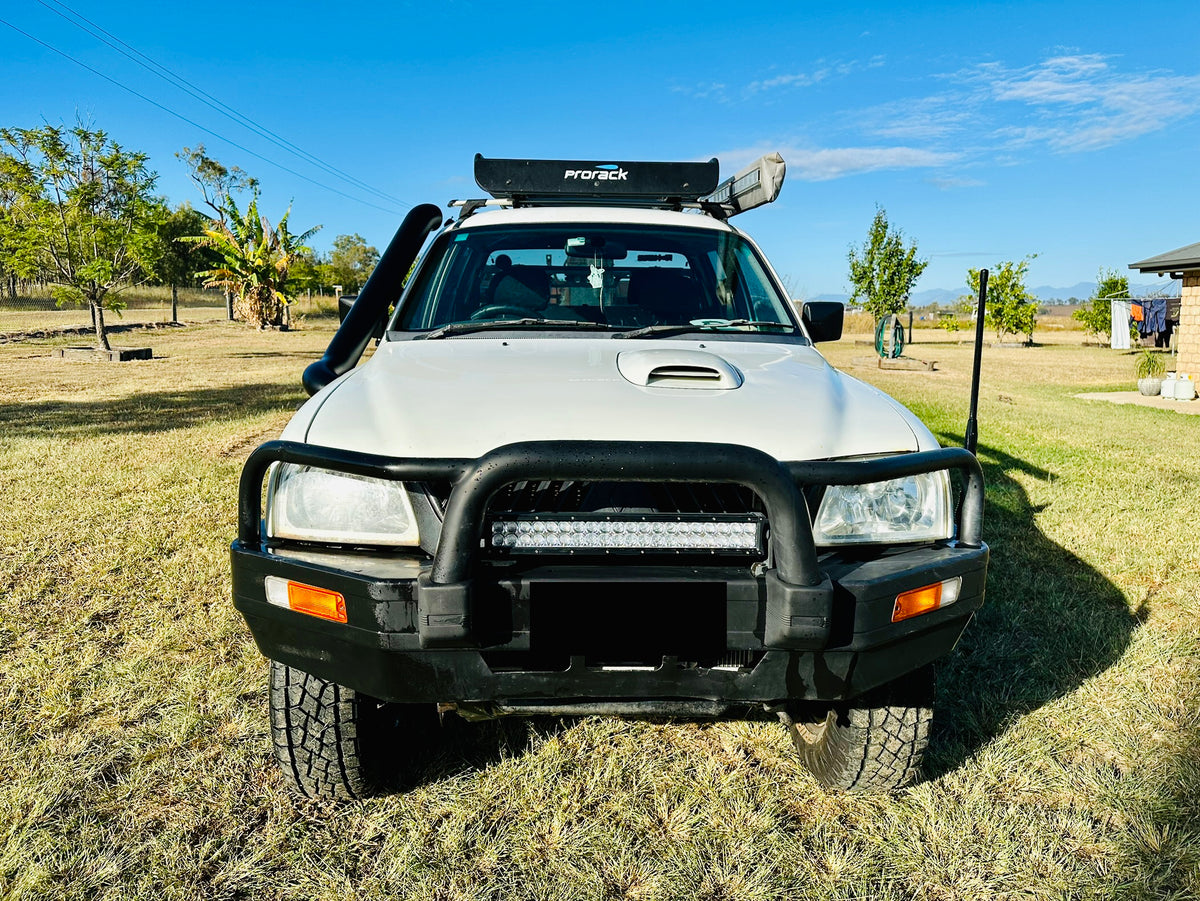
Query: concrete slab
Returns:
{"type": "Point", "coordinates": [908, 363]}
{"type": "Point", "coordinates": [94, 354]}
{"type": "Point", "coordinates": [1191, 407]}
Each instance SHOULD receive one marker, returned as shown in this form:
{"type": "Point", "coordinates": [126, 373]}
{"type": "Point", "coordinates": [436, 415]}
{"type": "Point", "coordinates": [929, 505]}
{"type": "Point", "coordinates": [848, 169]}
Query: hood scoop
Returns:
{"type": "Point", "coordinates": [663, 367]}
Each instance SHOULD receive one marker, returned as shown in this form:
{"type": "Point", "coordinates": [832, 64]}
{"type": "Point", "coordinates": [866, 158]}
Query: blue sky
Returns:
{"type": "Point", "coordinates": [988, 131]}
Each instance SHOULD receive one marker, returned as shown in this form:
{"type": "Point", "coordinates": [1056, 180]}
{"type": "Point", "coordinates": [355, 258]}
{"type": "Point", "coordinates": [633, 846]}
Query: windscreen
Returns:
{"type": "Point", "coordinates": [620, 277]}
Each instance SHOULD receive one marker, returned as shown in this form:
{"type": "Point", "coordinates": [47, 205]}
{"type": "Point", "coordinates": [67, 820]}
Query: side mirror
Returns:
{"type": "Point", "coordinates": [823, 319]}
{"type": "Point", "coordinates": [345, 303]}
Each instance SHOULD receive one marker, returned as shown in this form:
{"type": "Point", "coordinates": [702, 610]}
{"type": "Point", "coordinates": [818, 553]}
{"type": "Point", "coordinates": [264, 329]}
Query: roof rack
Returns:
{"type": "Point", "coordinates": [558, 182]}
{"type": "Point", "coordinates": [655, 185]}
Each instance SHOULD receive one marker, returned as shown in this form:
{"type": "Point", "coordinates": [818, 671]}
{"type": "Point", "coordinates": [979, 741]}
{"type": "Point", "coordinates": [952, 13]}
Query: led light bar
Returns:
{"type": "Point", "coordinates": [648, 533]}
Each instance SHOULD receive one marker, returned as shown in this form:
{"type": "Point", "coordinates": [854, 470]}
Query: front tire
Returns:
{"type": "Point", "coordinates": [874, 745]}
{"type": "Point", "coordinates": [333, 742]}
{"type": "Point", "coordinates": [316, 726]}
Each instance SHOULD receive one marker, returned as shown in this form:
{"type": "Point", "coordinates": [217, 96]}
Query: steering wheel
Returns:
{"type": "Point", "coordinates": [501, 310]}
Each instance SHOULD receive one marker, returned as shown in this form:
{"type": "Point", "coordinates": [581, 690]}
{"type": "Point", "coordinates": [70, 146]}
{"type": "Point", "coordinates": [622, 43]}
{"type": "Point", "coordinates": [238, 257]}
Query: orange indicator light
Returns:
{"type": "Point", "coordinates": [918, 601]}
{"type": "Point", "coordinates": [316, 601]}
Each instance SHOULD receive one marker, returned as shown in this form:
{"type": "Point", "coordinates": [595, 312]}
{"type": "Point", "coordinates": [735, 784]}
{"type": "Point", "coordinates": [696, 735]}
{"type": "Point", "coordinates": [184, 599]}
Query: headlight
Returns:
{"type": "Point", "coordinates": [310, 504]}
{"type": "Point", "coordinates": [915, 508]}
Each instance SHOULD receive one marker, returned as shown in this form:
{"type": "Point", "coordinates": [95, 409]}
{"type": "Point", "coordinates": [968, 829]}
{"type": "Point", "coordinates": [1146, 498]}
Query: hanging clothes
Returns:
{"type": "Point", "coordinates": [1174, 305]}
{"type": "Point", "coordinates": [1156, 314]}
{"type": "Point", "coordinates": [1156, 322]}
{"type": "Point", "coordinates": [1119, 336]}
{"type": "Point", "coordinates": [1153, 324]}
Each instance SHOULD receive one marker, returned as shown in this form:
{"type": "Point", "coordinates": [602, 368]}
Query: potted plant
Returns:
{"type": "Point", "coordinates": [1150, 368]}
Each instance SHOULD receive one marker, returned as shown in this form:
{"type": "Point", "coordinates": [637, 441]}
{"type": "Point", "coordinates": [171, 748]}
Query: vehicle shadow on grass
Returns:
{"type": "Point", "coordinates": [1049, 622]}
{"type": "Point", "coordinates": [458, 747]}
{"type": "Point", "coordinates": [144, 412]}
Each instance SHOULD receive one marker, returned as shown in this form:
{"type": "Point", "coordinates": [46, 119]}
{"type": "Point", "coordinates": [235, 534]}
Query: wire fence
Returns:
{"type": "Point", "coordinates": [35, 314]}
{"type": "Point", "coordinates": [152, 297]}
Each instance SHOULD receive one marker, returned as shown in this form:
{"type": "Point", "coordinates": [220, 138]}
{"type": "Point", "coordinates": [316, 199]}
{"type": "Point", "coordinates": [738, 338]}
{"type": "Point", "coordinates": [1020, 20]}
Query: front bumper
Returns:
{"type": "Point", "coordinates": [461, 629]}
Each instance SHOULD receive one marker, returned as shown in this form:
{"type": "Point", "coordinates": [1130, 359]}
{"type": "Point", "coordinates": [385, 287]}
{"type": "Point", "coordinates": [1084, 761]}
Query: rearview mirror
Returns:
{"type": "Point", "coordinates": [592, 247]}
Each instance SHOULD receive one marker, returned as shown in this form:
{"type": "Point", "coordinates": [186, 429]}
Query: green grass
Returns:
{"type": "Point", "coordinates": [134, 746]}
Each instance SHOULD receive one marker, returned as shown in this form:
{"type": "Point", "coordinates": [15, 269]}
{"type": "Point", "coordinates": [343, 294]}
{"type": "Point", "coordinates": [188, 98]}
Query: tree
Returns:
{"type": "Point", "coordinates": [255, 260]}
{"type": "Point", "coordinates": [305, 273]}
{"type": "Point", "coordinates": [352, 261]}
{"type": "Point", "coordinates": [1097, 315]}
{"type": "Point", "coordinates": [7, 272]}
{"type": "Point", "coordinates": [884, 271]}
{"type": "Point", "coordinates": [79, 214]}
{"type": "Point", "coordinates": [179, 260]}
{"type": "Point", "coordinates": [217, 183]}
{"type": "Point", "coordinates": [1009, 308]}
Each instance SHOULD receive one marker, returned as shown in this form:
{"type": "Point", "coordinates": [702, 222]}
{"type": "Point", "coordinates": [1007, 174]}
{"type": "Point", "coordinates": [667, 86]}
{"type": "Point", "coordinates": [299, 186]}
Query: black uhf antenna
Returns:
{"type": "Point", "coordinates": [972, 437]}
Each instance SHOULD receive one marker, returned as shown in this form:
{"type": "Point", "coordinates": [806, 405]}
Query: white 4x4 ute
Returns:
{"type": "Point", "coordinates": [596, 466]}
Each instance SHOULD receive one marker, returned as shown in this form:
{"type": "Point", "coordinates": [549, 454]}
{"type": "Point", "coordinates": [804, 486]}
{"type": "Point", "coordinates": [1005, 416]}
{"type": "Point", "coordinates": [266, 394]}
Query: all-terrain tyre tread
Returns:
{"type": "Point", "coordinates": [315, 727]}
{"type": "Point", "coordinates": [874, 747]}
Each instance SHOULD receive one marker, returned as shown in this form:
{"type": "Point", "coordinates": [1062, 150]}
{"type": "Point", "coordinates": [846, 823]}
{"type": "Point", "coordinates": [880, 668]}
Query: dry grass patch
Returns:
{"type": "Point", "coordinates": [134, 755]}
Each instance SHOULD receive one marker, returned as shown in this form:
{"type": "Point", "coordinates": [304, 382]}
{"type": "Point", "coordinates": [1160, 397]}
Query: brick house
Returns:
{"type": "Point", "coordinates": [1183, 264]}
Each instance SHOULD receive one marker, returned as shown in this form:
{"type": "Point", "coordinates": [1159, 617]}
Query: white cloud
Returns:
{"type": "Point", "coordinates": [1068, 102]}
{"type": "Point", "coordinates": [795, 80]}
{"type": "Point", "coordinates": [1080, 102]}
{"type": "Point", "coordinates": [1061, 79]}
{"type": "Point", "coordinates": [822, 71]}
{"type": "Point", "coordinates": [951, 182]}
{"type": "Point", "coordinates": [918, 119]}
{"type": "Point", "coordinates": [705, 90]}
{"type": "Point", "coordinates": [824, 164]}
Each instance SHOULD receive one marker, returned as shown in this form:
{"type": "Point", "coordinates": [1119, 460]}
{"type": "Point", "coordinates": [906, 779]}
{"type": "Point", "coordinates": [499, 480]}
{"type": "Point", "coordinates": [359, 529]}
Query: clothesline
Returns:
{"type": "Point", "coordinates": [1156, 317]}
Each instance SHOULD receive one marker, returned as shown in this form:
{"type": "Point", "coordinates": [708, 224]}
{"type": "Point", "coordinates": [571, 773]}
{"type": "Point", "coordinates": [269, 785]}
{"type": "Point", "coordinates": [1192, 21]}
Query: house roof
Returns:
{"type": "Point", "coordinates": [1171, 261]}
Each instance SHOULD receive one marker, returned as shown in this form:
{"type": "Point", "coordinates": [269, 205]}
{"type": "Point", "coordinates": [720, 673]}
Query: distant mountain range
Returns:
{"type": "Point", "coordinates": [1044, 293]}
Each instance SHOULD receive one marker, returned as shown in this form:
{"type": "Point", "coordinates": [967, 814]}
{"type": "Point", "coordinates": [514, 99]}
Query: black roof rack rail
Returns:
{"type": "Point", "coordinates": [469, 207]}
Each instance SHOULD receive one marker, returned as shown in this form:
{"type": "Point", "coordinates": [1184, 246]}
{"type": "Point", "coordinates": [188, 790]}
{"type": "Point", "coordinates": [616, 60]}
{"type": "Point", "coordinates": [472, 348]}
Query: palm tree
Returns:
{"type": "Point", "coordinates": [256, 259]}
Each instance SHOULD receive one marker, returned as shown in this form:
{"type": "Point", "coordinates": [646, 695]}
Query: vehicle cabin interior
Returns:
{"type": "Point", "coordinates": [622, 278]}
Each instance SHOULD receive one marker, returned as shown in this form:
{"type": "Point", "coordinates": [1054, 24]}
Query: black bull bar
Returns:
{"type": "Point", "coordinates": [799, 594]}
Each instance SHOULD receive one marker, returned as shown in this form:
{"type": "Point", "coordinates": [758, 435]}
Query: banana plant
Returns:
{"type": "Point", "coordinates": [256, 258]}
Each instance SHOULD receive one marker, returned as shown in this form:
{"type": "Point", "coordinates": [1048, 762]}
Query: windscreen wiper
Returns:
{"type": "Point", "coordinates": [707, 325]}
{"type": "Point", "coordinates": [461, 328]}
